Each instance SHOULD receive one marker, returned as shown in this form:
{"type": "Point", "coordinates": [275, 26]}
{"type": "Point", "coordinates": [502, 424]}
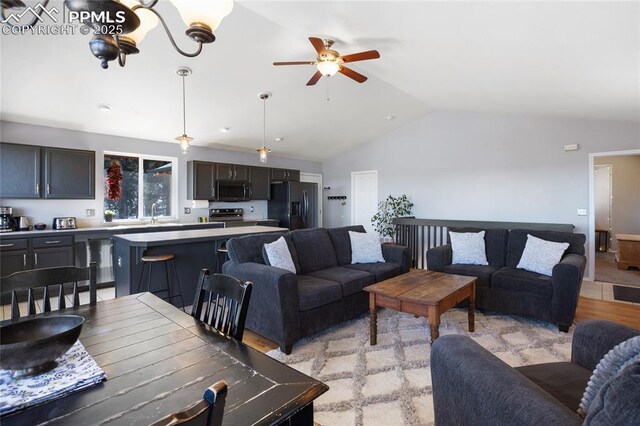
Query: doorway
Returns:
{"type": "Point", "coordinates": [614, 179]}
{"type": "Point", "coordinates": [364, 198]}
{"type": "Point", "coordinates": [317, 179]}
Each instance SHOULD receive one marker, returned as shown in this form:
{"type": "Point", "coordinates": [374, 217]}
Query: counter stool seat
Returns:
{"type": "Point", "coordinates": [163, 258]}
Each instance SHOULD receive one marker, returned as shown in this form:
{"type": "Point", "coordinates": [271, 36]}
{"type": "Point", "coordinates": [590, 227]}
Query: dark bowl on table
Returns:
{"type": "Point", "coordinates": [31, 347]}
{"type": "Point", "coordinates": [40, 226]}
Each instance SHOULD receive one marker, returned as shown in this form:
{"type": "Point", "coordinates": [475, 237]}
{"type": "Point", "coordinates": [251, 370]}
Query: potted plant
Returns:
{"type": "Point", "coordinates": [108, 215]}
{"type": "Point", "coordinates": [389, 209]}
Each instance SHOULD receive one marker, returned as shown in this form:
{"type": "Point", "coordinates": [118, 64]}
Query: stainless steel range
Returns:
{"type": "Point", "coordinates": [230, 217]}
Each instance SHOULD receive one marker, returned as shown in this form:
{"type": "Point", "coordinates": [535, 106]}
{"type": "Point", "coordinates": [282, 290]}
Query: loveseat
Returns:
{"type": "Point", "coordinates": [471, 386]}
{"type": "Point", "coordinates": [325, 290]}
{"type": "Point", "coordinates": [503, 287]}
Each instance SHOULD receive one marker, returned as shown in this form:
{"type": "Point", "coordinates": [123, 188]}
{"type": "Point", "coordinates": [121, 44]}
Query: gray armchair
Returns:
{"type": "Point", "coordinates": [471, 386]}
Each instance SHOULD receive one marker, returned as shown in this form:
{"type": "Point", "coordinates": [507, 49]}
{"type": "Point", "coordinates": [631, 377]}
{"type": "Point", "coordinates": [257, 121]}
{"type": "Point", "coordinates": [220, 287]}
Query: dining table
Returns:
{"type": "Point", "coordinates": [159, 360]}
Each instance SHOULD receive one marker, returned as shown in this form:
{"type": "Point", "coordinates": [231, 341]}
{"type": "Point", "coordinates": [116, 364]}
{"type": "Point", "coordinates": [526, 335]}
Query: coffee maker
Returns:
{"type": "Point", "coordinates": [7, 222]}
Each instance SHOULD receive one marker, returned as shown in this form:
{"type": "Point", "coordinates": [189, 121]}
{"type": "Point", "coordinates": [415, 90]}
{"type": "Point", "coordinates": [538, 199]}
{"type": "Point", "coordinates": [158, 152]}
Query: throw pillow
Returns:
{"type": "Point", "coordinates": [616, 360]}
{"type": "Point", "coordinates": [618, 402]}
{"type": "Point", "coordinates": [541, 255]}
{"type": "Point", "coordinates": [468, 248]}
{"type": "Point", "coordinates": [365, 248]}
{"type": "Point", "coordinates": [278, 255]}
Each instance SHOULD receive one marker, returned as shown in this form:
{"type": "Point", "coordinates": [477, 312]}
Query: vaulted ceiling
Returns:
{"type": "Point", "coordinates": [562, 59]}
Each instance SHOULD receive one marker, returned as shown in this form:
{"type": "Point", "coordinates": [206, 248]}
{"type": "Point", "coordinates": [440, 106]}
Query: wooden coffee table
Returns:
{"type": "Point", "coordinates": [422, 293]}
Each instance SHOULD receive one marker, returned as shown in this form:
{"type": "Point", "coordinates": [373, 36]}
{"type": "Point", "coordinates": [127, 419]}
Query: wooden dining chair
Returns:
{"type": "Point", "coordinates": [222, 302]}
{"type": "Point", "coordinates": [207, 412]}
{"type": "Point", "coordinates": [33, 280]}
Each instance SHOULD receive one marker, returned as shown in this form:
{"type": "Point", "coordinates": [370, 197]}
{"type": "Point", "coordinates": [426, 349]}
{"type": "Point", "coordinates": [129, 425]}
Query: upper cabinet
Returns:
{"type": "Point", "coordinates": [260, 183]}
{"type": "Point", "coordinates": [42, 172]}
{"type": "Point", "coordinates": [285, 175]}
{"type": "Point", "coordinates": [19, 171]}
{"type": "Point", "coordinates": [201, 176]}
{"type": "Point", "coordinates": [69, 173]}
{"type": "Point", "coordinates": [232, 172]}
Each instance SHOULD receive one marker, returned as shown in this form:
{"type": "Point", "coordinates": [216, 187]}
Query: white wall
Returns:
{"type": "Point", "coordinates": [625, 208]}
{"type": "Point", "coordinates": [462, 165]}
{"type": "Point", "coordinates": [45, 210]}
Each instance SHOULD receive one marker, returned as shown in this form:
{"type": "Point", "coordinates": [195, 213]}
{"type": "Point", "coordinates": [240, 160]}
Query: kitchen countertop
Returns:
{"type": "Point", "coordinates": [189, 236]}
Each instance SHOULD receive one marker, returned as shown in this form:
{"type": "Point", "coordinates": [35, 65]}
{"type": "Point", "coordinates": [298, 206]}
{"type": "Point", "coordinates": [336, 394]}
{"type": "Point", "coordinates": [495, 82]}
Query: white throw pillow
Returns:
{"type": "Point", "coordinates": [468, 248]}
{"type": "Point", "coordinates": [365, 248]}
{"type": "Point", "coordinates": [279, 255]}
{"type": "Point", "coordinates": [541, 255]}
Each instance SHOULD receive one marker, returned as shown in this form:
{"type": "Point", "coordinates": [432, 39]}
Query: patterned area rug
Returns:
{"type": "Point", "coordinates": [390, 383]}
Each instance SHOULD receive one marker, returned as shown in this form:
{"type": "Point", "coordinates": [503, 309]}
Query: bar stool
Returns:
{"type": "Point", "coordinates": [164, 258]}
{"type": "Point", "coordinates": [222, 256]}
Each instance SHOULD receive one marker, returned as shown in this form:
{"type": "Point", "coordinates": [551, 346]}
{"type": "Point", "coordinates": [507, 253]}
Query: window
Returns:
{"type": "Point", "coordinates": [146, 180]}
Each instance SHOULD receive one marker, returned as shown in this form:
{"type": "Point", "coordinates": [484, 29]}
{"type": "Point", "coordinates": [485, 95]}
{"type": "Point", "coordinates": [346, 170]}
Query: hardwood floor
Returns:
{"type": "Point", "coordinates": [588, 309]}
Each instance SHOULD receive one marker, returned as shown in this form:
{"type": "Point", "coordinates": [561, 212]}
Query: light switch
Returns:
{"type": "Point", "coordinates": [582, 212]}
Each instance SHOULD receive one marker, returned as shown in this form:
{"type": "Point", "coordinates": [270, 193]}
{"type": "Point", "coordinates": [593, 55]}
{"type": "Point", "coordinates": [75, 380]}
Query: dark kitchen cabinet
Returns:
{"type": "Point", "coordinates": [285, 175]}
{"type": "Point", "coordinates": [20, 254]}
{"type": "Point", "coordinates": [232, 172]}
{"type": "Point", "coordinates": [14, 255]}
{"type": "Point", "coordinates": [260, 183]}
{"type": "Point", "coordinates": [201, 180]}
{"type": "Point", "coordinates": [19, 171]}
{"type": "Point", "coordinates": [41, 172]}
{"type": "Point", "coordinates": [69, 173]}
{"type": "Point", "coordinates": [50, 257]}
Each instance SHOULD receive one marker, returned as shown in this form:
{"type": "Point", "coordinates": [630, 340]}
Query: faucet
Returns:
{"type": "Point", "coordinates": [154, 208]}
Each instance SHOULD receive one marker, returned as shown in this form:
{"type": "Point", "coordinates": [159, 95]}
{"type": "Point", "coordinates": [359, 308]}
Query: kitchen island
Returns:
{"type": "Point", "coordinates": [193, 251]}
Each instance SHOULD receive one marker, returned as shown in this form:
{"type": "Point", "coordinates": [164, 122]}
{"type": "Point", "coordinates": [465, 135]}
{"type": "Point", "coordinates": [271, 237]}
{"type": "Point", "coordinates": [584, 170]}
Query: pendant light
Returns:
{"type": "Point", "coordinates": [184, 139]}
{"type": "Point", "coordinates": [264, 151]}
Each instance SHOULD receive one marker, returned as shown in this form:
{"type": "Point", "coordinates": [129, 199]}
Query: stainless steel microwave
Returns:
{"type": "Point", "coordinates": [233, 190]}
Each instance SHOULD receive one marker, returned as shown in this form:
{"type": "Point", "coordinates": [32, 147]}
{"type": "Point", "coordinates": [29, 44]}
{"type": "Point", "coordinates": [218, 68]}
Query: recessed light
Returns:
{"type": "Point", "coordinates": [390, 117]}
{"type": "Point", "coordinates": [225, 129]}
{"type": "Point", "coordinates": [104, 107]}
{"type": "Point", "coordinates": [280, 139]}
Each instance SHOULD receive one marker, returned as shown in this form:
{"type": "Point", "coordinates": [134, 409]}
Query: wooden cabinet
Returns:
{"type": "Point", "coordinates": [232, 172]}
{"type": "Point", "coordinates": [69, 173]}
{"type": "Point", "coordinates": [21, 254]}
{"type": "Point", "coordinates": [260, 183]}
{"type": "Point", "coordinates": [19, 171]}
{"type": "Point", "coordinates": [42, 172]}
{"type": "Point", "coordinates": [285, 175]}
{"type": "Point", "coordinates": [201, 177]}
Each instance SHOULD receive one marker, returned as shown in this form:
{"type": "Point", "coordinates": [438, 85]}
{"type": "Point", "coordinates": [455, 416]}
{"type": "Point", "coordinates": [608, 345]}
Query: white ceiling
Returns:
{"type": "Point", "coordinates": [564, 59]}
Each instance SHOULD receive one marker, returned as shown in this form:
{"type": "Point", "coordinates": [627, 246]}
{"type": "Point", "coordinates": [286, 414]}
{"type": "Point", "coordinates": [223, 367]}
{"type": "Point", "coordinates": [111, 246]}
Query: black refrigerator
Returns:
{"type": "Point", "coordinates": [295, 204]}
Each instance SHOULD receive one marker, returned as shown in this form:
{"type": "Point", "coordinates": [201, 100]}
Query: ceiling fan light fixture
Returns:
{"type": "Point", "coordinates": [328, 68]}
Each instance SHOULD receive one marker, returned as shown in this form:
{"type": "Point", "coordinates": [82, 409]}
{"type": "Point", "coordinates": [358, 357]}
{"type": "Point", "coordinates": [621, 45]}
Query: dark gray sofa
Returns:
{"type": "Point", "coordinates": [325, 291]}
{"type": "Point", "coordinates": [503, 287]}
{"type": "Point", "coordinates": [471, 386]}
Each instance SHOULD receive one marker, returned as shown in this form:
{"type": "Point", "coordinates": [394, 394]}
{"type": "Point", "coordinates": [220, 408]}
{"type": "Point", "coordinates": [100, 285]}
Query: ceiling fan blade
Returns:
{"type": "Point", "coordinates": [352, 74]}
{"type": "Point", "coordinates": [315, 78]}
{"type": "Point", "coordinates": [318, 44]}
{"type": "Point", "coordinates": [361, 56]}
{"type": "Point", "coordinates": [295, 63]}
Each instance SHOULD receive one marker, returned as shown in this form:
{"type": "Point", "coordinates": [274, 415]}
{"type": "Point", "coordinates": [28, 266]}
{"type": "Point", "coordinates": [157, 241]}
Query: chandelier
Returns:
{"type": "Point", "coordinates": [120, 25]}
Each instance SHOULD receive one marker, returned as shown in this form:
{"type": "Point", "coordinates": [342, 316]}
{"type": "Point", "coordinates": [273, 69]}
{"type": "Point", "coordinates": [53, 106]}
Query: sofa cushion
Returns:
{"type": "Point", "coordinates": [495, 244]}
{"type": "Point", "coordinates": [351, 280]}
{"type": "Point", "coordinates": [314, 248]}
{"type": "Point", "coordinates": [565, 381]}
{"type": "Point", "coordinates": [518, 240]}
{"type": "Point", "coordinates": [468, 248]}
{"type": "Point", "coordinates": [381, 271]}
{"type": "Point", "coordinates": [541, 255]}
{"type": "Point", "coordinates": [278, 254]}
{"type": "Point", "coordinates": [314, 292]}
{"type": "Point", "coordinates": [342, 242]}
{"type": "Point", "coordinates": [482, 272]}
{"type": "Point", "coordinates": [521, 281]}
{"type": "Point", "coordinates": [365, 248]}
{"type": "Point", "coordinates": [618, 402]}
{"type": "Point", "coordinates": [248, 248]}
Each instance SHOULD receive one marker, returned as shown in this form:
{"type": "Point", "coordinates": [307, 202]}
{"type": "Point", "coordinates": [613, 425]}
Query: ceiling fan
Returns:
{"type": "Point", "coordinates": [330, 62]}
